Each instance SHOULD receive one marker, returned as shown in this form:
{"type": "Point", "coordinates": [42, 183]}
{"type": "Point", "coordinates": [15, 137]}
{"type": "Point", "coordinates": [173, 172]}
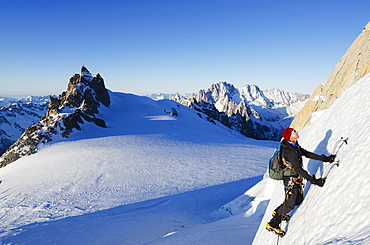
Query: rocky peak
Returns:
{"type": "Point", "coordinates": [354, 65]}
{"type": "Point", "coordinates": [85, 73]}
{"type": "Point", "coordinates": [86, 90]}
{"type": "Point", "coordinates": [78, 104]}
{"type": "Point", "coordinates": [223, 89]}
{"type": "Point", "coordinates": [249, 110]}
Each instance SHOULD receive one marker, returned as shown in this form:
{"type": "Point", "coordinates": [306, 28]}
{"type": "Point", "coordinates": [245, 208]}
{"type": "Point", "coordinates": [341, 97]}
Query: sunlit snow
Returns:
{"type": "Point", "coordinates": [185, 181]}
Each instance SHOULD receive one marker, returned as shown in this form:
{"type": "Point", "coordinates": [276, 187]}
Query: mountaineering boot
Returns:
{"type": "Point", "coordinates": [285, 218]}
{"type": "Point", "coordinates": [277, 230]}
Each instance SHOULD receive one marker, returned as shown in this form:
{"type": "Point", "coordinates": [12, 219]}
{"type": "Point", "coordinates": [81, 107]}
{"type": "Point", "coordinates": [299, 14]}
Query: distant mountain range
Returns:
{"type": "Point", "coordinates": [159, 96]}
{"type": "Point", "coordinates": [16, 115]}
{"type": "Point", "coordinates": [252, 112]}
{"type": "Point", "coordinates": [249, 110]}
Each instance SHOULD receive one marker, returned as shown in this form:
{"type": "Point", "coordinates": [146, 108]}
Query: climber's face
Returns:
{"type": "Point", "coordinates": [294, 136]}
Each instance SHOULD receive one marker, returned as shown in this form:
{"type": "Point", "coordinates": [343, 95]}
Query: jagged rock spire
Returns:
{"type": "Point", "coordinates": [85, 72]}
{"type": "Point", "coordinates": [78, 104]}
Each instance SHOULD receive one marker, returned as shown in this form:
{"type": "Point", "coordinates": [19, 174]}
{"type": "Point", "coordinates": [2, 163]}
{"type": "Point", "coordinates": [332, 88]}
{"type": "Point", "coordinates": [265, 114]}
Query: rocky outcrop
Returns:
{"type": "Point", "coordinates": [252, 112]}
{"type": "Point", "coordinates": [354, 65]}
{"type": "Point", "coordinates": [66, 113]}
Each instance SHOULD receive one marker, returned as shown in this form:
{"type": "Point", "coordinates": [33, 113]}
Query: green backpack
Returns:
{"type": "Point", "coordinates": [277, 166]}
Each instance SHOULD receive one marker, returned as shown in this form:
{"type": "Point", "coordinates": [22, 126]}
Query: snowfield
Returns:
{"type": "Point", "coordinates": [148, 174]}
{"type": "Point", "coordinates": [154, 178]}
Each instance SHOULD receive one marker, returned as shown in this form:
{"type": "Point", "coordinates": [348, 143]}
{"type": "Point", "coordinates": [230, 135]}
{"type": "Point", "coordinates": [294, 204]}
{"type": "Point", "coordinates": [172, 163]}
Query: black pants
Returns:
{"type": "Point", "coordinates": [293, 197]}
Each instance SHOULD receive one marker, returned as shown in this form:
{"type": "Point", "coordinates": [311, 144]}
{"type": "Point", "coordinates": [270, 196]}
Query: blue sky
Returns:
{"type": "Point", "coordinates": [169, 46]}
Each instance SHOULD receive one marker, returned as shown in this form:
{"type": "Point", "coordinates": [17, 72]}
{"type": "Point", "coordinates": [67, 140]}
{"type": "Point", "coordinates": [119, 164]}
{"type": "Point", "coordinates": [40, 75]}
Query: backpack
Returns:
{"type": "Point", "coordinates": [277, 164]}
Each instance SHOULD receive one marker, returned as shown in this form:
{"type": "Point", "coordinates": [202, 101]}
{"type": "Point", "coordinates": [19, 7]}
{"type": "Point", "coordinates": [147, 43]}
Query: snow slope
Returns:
{"type": "Point", "coordinates": [146, 175]}
{"type": "Point", "coordinates": [152, 178]}
{"type": "Point", "coordinates": [337, 213]}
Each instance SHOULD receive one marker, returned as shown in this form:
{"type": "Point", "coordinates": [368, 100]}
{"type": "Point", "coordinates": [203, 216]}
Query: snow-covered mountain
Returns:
{"type": "Point", "coordinates": [78, 105]}
{"type": "Point", "coordinates": [16, 115]}
{"type": "Point", "coordinates": [159, 96]}
{"type": "Point", "coordinates": [154, 168]}
{"type": "Point", "coordinates": [6, 100]}
{"type": "Point", "coordinates": [153, 176]}
{"type": "Point", "coordinates": [249, 110]}
{"type": "Point", "coordinates": [271, 110]}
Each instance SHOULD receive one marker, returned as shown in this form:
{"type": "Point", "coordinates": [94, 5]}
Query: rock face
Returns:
{"type": "Point", "coordinates": [79, 104]}
{"type": "Point", "coordinates": [254, 113]}
{"type": "Point", "coordinates": [354, 65]}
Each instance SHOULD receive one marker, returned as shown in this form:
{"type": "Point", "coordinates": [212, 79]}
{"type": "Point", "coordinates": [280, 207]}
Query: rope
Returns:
{"type": "Point", "coordinates": [289, 187]}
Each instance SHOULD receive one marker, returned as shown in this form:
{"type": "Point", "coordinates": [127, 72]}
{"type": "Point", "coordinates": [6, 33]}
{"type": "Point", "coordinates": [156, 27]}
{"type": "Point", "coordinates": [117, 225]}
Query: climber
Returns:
{"type": "Point", "coordinates": [293, 178]}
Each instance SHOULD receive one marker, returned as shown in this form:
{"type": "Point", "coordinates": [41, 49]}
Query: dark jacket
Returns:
{"type": "Point", "coordinates": [293, 155]}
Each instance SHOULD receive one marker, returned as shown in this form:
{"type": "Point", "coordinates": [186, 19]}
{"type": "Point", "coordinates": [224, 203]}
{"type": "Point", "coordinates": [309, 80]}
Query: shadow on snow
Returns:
{"type": "Point", "coordinates": [136, 223]}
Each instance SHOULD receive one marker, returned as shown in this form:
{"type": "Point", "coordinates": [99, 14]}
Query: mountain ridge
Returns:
{"type": "Point", "coordinates": [85, 93]}
{"type": "Point", "coordinates": [254, 113]}
{"type": "Point", "coordinates": [16, 115]}
{"type": "Point", "coordinates": [77, 105]}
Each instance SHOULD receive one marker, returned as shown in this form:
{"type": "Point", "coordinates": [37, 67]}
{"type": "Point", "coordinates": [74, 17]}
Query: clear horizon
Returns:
{"type": "Point", "coordinates": [146, 47]}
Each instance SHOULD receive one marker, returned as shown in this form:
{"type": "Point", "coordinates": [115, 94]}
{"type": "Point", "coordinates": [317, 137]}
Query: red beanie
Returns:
{"type": "Point", "coordinates": [286, 133]}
